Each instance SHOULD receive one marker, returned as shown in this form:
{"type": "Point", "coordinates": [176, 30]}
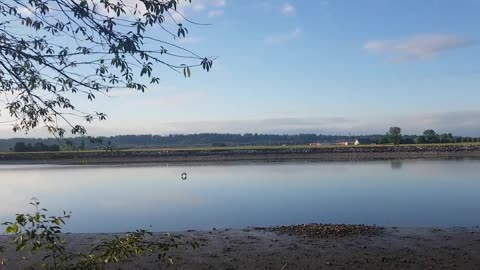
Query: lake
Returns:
{"type": "Point", "coordinates": [237, 195]}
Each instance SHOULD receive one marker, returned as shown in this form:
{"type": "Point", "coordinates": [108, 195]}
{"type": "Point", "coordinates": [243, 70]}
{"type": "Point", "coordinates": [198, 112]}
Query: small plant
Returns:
{"type": "Point", "coordinates": [40, 235]}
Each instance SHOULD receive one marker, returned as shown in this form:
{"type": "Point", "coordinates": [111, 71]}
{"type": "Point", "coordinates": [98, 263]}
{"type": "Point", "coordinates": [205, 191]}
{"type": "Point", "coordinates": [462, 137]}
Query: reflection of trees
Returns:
{"type": "Point", "coordinates": [396, 164]}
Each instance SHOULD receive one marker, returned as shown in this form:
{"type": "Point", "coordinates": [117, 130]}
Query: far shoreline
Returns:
{"type": "Point", "coordinates": [245, 154]}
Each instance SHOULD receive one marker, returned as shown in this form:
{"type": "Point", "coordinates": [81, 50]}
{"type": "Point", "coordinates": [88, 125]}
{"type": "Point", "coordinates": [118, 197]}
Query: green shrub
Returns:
{"type": "Point", "coordinates": [41, 235]}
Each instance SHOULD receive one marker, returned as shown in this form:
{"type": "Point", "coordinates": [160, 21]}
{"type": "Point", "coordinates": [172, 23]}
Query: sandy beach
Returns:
{"type": "Point", "coordinates": [392, 248]}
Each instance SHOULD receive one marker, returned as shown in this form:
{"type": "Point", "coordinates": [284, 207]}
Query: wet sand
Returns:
{"type": "Point", "coordinates": [394, 248]}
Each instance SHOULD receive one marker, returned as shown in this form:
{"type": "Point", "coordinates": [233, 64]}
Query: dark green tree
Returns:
{"type": "Point", "coordinates": [420, 140]}
{"type": "Point", "coordinates": [395, 135]}
{"type": "Point", "coordinates": [54, 148]}
{"type": "Point", "coordinates": [407, 140]}
{"type": "Point", "coordinates": [38, 147]}
{"type": "Point", "coordinates": [450, 138]}
{"type": "Point", "coordinates": [431, 136]}
{"type": "Point", "coordinates": [444, 138]}
{"type": "Point", "coordinates": [20, 147]}
{"type": "Point", "coordinates": [383, 140]}
{"type": "Point", "coordinates": [50, 50]}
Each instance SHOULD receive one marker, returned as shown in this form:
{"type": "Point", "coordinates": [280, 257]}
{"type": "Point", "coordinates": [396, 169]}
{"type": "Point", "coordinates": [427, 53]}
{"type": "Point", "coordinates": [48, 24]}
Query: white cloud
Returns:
{"type": "Point", "coordinates": [285, 37]}
{"type": "Point", "coordinates": [461, 123]}
{"type": "Point", "coordinates": [324, 3]}
{"type": "Point", "coordinates": [199, 7]}
{"type": "Point", "coordinates": [182, 99]}
{"type": "Point", "coordinates": [215, 13]}
{"type": "Point", "coordinates": [273, 125]}
{"type": "Point", "coordinates": [183, 7]}
{"type": "Point", "coordinates": [25, 11]}
{"type": "Point", "coordinates": [202, 5]}
{"type": "Point", "coordinates": [213, 8]}
{"type": "Point", "coordinates": [190, 40]}
{"type": "Point", "coordinates": [287, 9]}
{"type": "Point", "coordinates": [458, 122]}
{"type": "Point", "coordinates": [419, 47]}
{"type": "Point", "coordinates": [220, 3]}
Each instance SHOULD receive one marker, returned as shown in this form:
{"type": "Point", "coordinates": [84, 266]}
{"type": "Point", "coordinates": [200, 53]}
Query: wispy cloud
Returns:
{"type": "Point", "coordinates": [465, 123]}
{"type": "Point", "coordinates": [211, 7]}
{"type": "Point", "coordinates": [184, 8]}
{"type": "Point", "coordinates": [201, 5]}
{"type": "Point", "coordinates": [25, 11]}
{"type": "Point", "coordinates": [462, 123]}
{"type": "Point", "coordinates": [287, 9]}
{"type": "Point", "coordinates": [457, 122]}
{"type": "Point", "coordinates": [284, 37]}
{"type": "Point", "coordinates": [215, 13]}
{"type": "Point", "coordinates": [419, 47]}
{"type": "Point", "coordinates": [175, 100]}
{"type": "Point", "coordinates": [274, 125]}
{"type": "Point", "coordinates": [190, 40]}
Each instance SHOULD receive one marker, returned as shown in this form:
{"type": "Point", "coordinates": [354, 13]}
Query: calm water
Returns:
{"type": "Point", "coordinates": [122, 198]}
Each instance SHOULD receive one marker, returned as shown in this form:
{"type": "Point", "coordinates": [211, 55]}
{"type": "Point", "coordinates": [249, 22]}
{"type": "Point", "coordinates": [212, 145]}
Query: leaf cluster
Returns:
{"type": "Point", "coordinates": [38, 234]}
{"type": "Point", "coordinates": [52, 49]}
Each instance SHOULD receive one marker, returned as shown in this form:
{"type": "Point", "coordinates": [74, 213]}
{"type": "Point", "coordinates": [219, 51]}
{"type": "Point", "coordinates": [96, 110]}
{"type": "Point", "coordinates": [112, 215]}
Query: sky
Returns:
{"type": "Point", "coordinates": [312, 66]}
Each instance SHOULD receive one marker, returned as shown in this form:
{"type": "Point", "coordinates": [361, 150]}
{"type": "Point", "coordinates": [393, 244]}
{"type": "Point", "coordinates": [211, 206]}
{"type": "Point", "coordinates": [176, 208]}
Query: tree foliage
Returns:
{"type": "Point", "coordinates": [36, 147]}
{"type": "Point", "coordinates": [190, 140]}
{"type": "Point", "coordinates": [420, 140]}
{"type": "Point", "coordinates": [52, 49]}
{"type": "Point", "coordinates": [395, 135]}
{"type": "Point", "coordinates": [431, 136]}
{"type": "Point", "coordinates": [42, 245]}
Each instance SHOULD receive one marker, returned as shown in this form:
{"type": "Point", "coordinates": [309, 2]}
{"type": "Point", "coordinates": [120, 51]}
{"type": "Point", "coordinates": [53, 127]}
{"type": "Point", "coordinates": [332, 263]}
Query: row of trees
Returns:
{"type": "Point", "coordinates": [36, 147]}
{"type": "Point", "coordinates": [189, 140]}
{"type": "Point", "coordinates": [393, 136]}
{"type": "Point", "coordinates": [429, 136]}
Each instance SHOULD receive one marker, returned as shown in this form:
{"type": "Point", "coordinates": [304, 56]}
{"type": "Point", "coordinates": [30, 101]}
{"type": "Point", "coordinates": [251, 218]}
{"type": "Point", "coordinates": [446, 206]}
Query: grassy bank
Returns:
{"type": "Point", "coordinates": [251, 147]}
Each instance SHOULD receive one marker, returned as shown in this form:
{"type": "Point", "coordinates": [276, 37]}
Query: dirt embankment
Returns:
{"type": "Point", "coordinates": [318, 153]}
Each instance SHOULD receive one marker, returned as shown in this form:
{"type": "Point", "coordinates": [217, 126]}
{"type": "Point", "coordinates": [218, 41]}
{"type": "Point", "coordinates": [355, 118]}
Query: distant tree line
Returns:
{"type": "Point", "coordinates": [36, 147]}
{"type": "Point", "coordinates": [429, 136]}
{"type": "Point", "coordinates": [393, 136]}
{"type": "Point", "coordinates": [190, 140]}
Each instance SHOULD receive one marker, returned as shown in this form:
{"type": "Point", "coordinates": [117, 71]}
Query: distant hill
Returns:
{"type": "Point", "coordinates": [189, 140]}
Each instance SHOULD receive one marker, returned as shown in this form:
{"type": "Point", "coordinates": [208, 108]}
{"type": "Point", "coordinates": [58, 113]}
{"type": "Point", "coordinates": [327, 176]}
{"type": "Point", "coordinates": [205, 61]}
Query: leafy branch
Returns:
{"type": "Point", "coordinates": [51, 49]}
{"type": "Point", "coordinates": [40, 235]}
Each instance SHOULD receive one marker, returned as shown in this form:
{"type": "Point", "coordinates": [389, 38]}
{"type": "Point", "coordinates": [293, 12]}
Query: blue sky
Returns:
{"type": "Point", "coordinates": [316, 66]}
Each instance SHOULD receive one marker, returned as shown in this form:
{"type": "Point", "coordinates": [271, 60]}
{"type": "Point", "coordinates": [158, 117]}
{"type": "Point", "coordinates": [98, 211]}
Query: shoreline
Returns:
{"type": "Point", "coordinates": [228, 155]}
{"type": "Point", "coordinates": [394, 248]}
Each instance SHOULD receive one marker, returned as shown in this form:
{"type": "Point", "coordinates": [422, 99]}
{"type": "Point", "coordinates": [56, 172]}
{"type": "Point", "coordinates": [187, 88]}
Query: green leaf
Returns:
{"type": "Point", "coordinates": [22, 245]}
{"type": "Point", "coordinates": [12, 229]}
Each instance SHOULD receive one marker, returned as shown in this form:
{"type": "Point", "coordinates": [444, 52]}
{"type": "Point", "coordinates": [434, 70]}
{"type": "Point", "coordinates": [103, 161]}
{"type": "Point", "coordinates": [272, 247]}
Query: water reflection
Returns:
{"type": "Point", "coordinates": [122, 198]}
{"type": "Point", "coordinates": [396, 164]}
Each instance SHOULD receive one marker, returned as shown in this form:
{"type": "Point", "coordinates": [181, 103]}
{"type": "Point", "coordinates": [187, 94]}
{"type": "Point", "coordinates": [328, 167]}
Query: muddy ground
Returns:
{"type": "Point", "coordinates": [393, 248]}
